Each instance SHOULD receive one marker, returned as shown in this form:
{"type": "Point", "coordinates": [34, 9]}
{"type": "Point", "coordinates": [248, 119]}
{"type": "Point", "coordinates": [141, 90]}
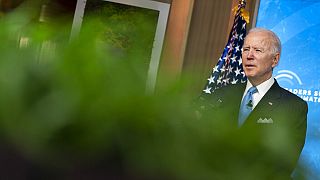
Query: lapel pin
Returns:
{"type": "Point", "coordinates": [270, 103]}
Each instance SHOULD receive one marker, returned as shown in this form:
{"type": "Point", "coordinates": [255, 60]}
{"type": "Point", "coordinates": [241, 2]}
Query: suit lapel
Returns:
{"type": "Point", "coordinates": [237, 96]}
{"type": "Point", "coordinates": [234, 101]}
{"type": "Point", "coordinates": [268, 103]}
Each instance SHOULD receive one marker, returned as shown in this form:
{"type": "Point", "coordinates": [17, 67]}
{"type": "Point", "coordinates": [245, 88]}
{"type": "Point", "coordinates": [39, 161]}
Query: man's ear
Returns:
{"type": "Point", "coordinates": [275, 60]}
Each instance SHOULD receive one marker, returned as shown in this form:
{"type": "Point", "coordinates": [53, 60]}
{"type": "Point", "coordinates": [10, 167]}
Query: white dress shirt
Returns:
{"type": "Point", "coordinates": [262, 90]}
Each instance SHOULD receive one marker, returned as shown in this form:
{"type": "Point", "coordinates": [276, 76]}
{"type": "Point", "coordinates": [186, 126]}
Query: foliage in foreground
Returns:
{"type": "Point", "coordinates": [84, 113]}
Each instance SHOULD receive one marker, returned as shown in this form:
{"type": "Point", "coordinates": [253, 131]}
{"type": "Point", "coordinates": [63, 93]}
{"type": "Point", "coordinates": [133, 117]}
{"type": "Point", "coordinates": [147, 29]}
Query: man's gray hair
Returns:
{"type": "Point", "coordinates": [275, 41]}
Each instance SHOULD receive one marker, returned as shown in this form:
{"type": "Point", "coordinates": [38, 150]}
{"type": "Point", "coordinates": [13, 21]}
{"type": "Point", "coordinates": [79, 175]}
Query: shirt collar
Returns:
{"type": "Point", "coordinates": [262, 88]}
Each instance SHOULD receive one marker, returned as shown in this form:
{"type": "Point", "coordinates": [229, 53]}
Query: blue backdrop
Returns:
{"type": "Point", "coordinates": [297, 23]}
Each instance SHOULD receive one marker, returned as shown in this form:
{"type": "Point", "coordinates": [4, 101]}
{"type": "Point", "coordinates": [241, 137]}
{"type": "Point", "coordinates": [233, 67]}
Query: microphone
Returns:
{"type": "Point", "coordinates": [250, 104]}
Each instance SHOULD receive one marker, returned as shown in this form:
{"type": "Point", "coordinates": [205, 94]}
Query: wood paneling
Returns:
{"type": "Point", "coordinates": [207, 38]}
{"type": "Point", "coordinates": [254, 7]}
{"type": "Point", "coordinates": [175, 41]}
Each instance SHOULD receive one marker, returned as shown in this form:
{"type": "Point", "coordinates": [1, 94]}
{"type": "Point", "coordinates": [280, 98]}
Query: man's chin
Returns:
{"type": "Point", "coordinates": [249, 74]}
{"type": "Point", "coordinates": [250, 77]}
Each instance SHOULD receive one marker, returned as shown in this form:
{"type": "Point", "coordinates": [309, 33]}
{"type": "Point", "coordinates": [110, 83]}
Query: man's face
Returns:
{"type": "Point", "coordinates": [257, 57]}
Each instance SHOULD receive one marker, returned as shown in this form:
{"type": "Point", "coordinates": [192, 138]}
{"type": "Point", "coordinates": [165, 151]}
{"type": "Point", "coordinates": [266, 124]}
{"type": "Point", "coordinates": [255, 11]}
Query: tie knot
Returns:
{"type": "Point", "coordinates": [253, 90]}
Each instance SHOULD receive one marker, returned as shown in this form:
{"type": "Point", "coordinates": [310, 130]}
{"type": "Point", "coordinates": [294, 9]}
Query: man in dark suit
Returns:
{"type": "Point", "coordinates": [261, 108]}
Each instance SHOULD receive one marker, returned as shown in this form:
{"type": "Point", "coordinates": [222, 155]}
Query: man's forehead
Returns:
{"type": "Point", "coordinates": [257, 40]}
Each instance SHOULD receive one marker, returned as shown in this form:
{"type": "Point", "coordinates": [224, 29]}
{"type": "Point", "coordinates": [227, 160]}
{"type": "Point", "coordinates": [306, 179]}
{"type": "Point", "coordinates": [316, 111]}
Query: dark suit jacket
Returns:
{"type": "Point", "coordinates": [278, 122]}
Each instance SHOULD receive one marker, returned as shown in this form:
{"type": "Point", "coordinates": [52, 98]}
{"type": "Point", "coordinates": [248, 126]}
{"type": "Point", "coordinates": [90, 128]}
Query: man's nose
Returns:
{"type": "Point", "coordinates": [250, 54]}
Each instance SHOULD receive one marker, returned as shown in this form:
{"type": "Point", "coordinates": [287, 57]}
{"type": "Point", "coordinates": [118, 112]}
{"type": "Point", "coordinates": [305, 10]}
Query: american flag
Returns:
{"type": "Point", "coordinates": [229, 68]}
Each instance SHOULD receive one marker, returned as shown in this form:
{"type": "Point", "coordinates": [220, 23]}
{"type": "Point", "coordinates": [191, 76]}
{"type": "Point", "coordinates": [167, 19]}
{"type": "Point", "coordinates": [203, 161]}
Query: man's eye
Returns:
{"type": "Point", "coordinates": [245, 49]}
{"type": "Point", "coordinates": [258, 50]}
